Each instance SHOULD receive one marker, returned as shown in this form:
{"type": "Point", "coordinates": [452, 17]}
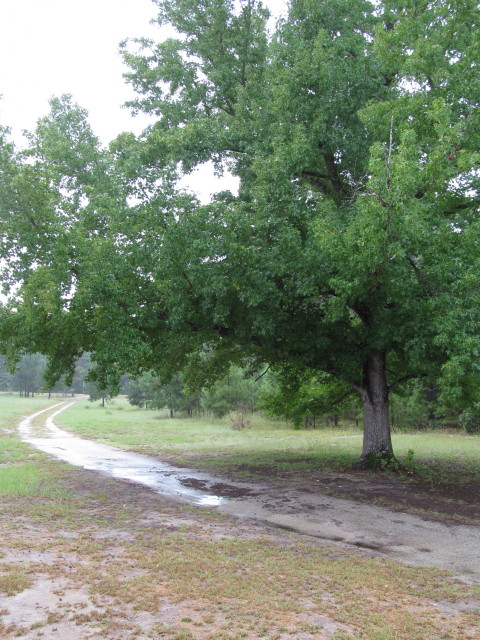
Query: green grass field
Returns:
{"type": "Point", "coordinates": [272, 444]}
{"type": "Point", "coordinates": [11, 406]}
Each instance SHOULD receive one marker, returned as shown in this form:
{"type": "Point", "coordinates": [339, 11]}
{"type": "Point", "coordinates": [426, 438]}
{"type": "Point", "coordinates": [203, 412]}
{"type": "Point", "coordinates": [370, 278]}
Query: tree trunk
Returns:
{"type": "Point", "coordinates": [377, 442]}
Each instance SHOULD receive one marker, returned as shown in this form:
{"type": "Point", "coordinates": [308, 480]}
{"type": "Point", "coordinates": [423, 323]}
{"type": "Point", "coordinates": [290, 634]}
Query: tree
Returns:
{"type": "Point", "coordinates": [350, 248]}
{"type": "Point", "coordinates": [5, 376]}
{"type": "Point", "coordinates": [302, 398]}
{"type": "Point", "coordinates": [100, 388]}
{"type": "Point", "coordinates": [147, 391]}
{"type": "Point", "coordinates": [142, 391]}
{"type": "Point", "coordinates": [28, 375]}
{"type": "Point", "coordinates": [234, 391]}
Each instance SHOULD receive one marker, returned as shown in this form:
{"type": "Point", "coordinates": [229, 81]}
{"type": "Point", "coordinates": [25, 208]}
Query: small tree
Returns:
{"type": "Point", "coordinates": [302, 398]}
{"type": "Point", "coordinates": [28, 377]}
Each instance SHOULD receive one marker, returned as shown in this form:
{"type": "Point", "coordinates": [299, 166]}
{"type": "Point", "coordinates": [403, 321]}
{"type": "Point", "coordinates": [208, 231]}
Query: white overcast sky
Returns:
{"type": "Point", "coordinates": [51, 47]}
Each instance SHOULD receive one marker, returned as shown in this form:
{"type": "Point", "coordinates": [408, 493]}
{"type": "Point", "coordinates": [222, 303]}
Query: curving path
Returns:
{"type": "Point", "coordinates": [400, 536]}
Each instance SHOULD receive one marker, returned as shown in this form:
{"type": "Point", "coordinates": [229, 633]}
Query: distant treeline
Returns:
{"type": "Point", "coordinates": [308, 402]}
{"type": "Point", "coordinates": [27, 379]}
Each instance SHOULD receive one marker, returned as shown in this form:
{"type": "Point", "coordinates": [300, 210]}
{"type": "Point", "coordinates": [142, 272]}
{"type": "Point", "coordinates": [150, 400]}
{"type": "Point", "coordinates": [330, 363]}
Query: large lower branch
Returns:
{"type": "Point", "coordinates": [400, 381]}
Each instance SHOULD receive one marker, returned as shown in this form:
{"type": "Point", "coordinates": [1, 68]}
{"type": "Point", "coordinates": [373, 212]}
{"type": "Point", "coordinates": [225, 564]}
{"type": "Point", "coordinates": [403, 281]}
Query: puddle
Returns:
{"type": "Point", "coordinates": [161, 477]}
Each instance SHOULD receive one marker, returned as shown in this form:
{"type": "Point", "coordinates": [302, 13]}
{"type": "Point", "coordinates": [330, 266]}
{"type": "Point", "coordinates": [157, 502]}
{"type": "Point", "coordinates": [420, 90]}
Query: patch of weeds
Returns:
{"type": "Point", "coordinates": [159, 630]}
{"type": "Point", "coordinates": [14, 582]}
{"type": "Point", "coordinates": [93, 616]}
{"type": "Point", "coordinates": [19, 480]}
{"type": "Point", "coordinates": [36, 625]}
{"type": "Point", "coordinates": [408, 462]}
{"type": "Point", "coordinates": [53, 618]}
{"type": "Point", "coordinates": [183, 634]}
{"type": "Point", "coordinates": [209, 618]}
{"type": "Point", "coordinates": [51, 511]}
{"type": "Point", "coordinates": [12, 450]}
{"type": "Point", "coordinates": [12, 630]}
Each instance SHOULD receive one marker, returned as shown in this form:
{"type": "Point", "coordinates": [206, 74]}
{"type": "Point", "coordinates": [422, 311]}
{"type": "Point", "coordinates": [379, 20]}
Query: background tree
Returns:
{"type": "Point", "coordinates": [141, 392]}
{"type": "Point", "coordinates": [149, 392]}
{"type": "Point", "coordinates": [28, 377]}
{"type": "Point", "coordinates": [5, 376]}
{"type": "Point", "coordinates": [96, 391]}
{"type": "Point", "coordinates": [304, 399]}
{"type": "Point", "coordinates": [233, 392]}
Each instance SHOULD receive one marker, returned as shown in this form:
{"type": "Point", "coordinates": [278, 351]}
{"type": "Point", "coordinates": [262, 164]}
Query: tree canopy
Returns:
{"type": "Point", "coordinates": [350, 249]}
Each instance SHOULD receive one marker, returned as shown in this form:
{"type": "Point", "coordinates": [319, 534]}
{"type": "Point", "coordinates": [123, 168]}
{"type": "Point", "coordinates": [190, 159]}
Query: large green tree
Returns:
{"type": "Point", "coordinates": [351, 247]}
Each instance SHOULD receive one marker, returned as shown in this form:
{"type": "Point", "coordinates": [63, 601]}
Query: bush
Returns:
{"type": "Point", "coordinates": [470, 419]}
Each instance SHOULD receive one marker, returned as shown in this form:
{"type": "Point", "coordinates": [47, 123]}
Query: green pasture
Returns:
{"type": "Point", "coordinates": [266, 445]}
{"type": "Point", "coordinates": [210, 440]}
{"type": "Point", "coordinates": [12, 405]}
{"type": "Point", "coordinates": [25, 472]}
{"type": "Point", "coordinates": [12, 409]}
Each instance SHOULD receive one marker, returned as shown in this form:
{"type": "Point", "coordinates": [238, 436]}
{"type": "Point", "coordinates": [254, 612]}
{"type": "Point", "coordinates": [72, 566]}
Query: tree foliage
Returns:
{"type": "Point", "coordinates": [233, 392]}
{"type": "Point", "coordinates": [351, 248]}
{"type": "Point", "coordinates": [301, 397]}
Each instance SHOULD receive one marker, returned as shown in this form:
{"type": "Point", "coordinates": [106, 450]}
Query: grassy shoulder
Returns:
{"type": "Point", "coordinates": [82, 555]}
{"type": "Point", "coordinates": [443, 482]}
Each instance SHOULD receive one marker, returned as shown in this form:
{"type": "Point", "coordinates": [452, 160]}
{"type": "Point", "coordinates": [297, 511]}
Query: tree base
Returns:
{"type": "Point", "coordinates": [382, 461]}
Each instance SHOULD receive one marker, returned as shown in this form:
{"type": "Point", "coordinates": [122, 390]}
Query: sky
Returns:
{"type": "Point", "coordinates": [52, 47]}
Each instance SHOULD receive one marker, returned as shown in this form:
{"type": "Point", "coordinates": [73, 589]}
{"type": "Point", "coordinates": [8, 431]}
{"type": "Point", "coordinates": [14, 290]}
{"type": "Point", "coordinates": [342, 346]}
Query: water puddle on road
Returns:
{"type": "Point", "coordinates": [163, 478]}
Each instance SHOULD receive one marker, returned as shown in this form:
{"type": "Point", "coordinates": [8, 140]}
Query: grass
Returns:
{"type": "Point", "coordinates": [25, 473]}
{"type": "Point", "coordinates": [210, 438]}
{"type": "Point", "coordinates": [19, 480]}
{"type": "Point", "coordinates": [271, 445]}
{"type": "Point", "coordinates": [14, 582]}
{"type": "Point", "coordinates": [11, 406]}
{"type": "Point", "coordinates": [151, 569]}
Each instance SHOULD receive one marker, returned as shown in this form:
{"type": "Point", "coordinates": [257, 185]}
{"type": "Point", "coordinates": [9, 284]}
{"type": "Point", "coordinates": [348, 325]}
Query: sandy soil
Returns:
{"type": "Point", "coordinates": [72, 595]}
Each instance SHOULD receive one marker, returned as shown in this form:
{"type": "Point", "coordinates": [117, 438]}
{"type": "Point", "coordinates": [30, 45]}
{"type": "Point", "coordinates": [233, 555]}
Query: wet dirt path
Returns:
{"type": "Point", "coordinates": [400, 536]}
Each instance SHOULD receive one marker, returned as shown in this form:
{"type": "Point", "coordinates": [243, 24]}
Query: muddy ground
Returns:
{"type": "Point", "coordinates": [87, 565]}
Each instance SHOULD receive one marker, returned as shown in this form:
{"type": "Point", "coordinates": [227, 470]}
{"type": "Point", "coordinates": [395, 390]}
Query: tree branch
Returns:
{"type": "Point", "coordinates": [400, 381]}
{"type": "Point", "coordinates": [332, 172]}
{"type": "Point", "coordinates": [262, 374]}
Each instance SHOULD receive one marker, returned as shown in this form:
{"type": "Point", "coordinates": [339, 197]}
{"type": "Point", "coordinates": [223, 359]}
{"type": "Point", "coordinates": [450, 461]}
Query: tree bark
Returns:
{"type": "Point", "coordinates": [377, 442]}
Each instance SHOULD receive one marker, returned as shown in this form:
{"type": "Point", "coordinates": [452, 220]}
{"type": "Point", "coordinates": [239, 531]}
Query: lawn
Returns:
{"type": "Point", "coordinates": [84, 556]}
{"type": "Point", "coordinates": [271, 449]}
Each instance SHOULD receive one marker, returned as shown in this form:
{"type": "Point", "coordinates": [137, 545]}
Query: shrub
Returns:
{"type": "Point", "coordinates": [470, 419]}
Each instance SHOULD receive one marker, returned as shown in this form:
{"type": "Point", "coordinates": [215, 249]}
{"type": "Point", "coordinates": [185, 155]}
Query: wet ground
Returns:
{"type": "Point", "coordinates": [306, 510]}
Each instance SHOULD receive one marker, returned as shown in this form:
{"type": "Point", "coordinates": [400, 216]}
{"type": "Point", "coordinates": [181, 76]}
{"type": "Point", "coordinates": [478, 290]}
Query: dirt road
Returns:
{"type": "Point", "coordinates": [379, 531]}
